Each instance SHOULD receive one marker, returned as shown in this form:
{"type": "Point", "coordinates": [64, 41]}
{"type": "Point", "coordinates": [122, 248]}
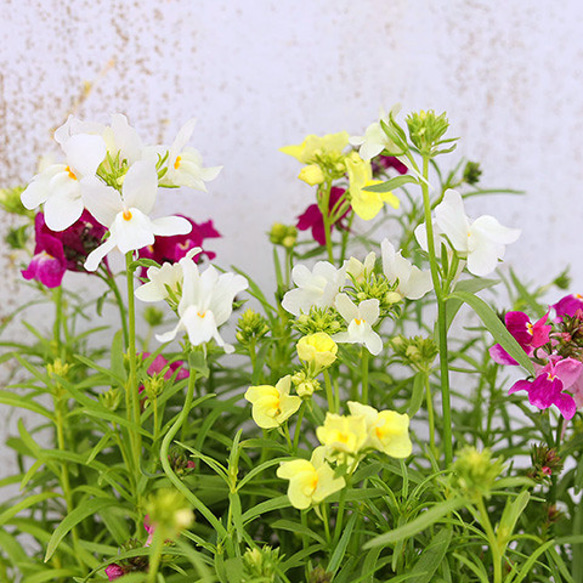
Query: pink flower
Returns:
{"type": "Point", "coordinates": [549, 386]}
{"type": "Point", "coordinates": [114, 571]}
{"type": "Point", "coordinates": [48, 264]}
{"type": "Point", "coordinates": [529, 336]}
{"type": "Point", "coordinates": [568, 306]}
{"type": "Point", "coordinates": [174, 248]}
{"type": "Point", "coordinates": [160, 363]}
{"type": "Point", "coordinates": [385, 162]}
{"type": "Point", "coordinates": [312, 217]}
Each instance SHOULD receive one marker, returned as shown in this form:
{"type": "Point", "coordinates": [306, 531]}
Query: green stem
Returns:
{"type": "Point", "coordinates": [430, 415]}
{"type": "Point", "coordinates": [329, 393]}
{"type": "Point", "coordinates": [110, 281]}
{"type": "Point", "coordinates": [58, 299]}
{"type": "Point", "coordinates": [492, 539]}
{"type": "Point", "coordinates": [441, 321]}
{"type": "Point", "coordinates": [364, 356]}
{"type": "Point", "coordinates": [190, 496]}
{"type": "Point", "coordinates": [155, 556]}
{"type": "Point", "coordinates": [298, 428]}
{"type": "Point", "coordinates": [324, 204]}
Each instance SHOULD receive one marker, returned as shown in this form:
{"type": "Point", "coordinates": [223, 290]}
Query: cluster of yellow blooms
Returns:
{"type": "Point", "coordinates": [325, 161]}
{"type": "Point", "coordinates": [345, 439]}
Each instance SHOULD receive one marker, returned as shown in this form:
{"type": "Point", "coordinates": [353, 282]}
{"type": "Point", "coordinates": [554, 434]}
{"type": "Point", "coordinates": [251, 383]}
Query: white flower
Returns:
{"type": "Point", "coordinates": [412, 282]}
{"type": "Point", "coordinates": [126, 214]}
{"type": "Point", "coordinates": [315, 288]}
{"type": "Point", "coordinates": [375, 140]}
{"type": "Point", "coordinates": [482, 241]}
{"type": "Point", "coordinates": [359, 270]}
{"type": "Point", "coordinates": [184, 165]}
{"type": "Point", "coordinates": [360, 322]}
{"type": "Point", "coordinates": [161, 279]}
{"type": "Point", "coordinates": [206, 303]}
{"type": "Point", "coordinates": [60, 187]}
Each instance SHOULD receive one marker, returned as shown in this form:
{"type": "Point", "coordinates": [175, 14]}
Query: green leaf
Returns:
{"type": "Point", "coordinates": [267, 506]}
{"type": "Point", "coordinates": [50, 575]}
{"type": "Point", "coordinates": [512, 511]}
{"type": "Point", "coordinates": [420, 523]}
{"type": "Point", "coordinates": [392, 183]}
{"type": "Point", "coordinates": [466, 285]}
{"type": "Point", "coordinates": [74, 518]}
{"type": "Point", "coordinates": [26, 503]}
{"type": "Point", "coordinates": [431, 557]}
{"type": "Point", "coordinates": [340, 550]}
{"type": "Point", "coordinates": [297, 528]}
{"type": "Point", "coordinates": [417, 394]}
{"type": "Point", "coordinates": [117, 353]}
{"type": "Point", "coordinates": [496, 328]}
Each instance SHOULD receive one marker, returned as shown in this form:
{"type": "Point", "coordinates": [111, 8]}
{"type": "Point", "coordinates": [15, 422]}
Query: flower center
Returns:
{"type": "Point", "coordinates": [529, 328]}
{"type": "Point", "coordinates": [177, 162]}
{"type": "Point", "coordinates": [201, 315]}
{"type": "Point", "coordinates": [127, 215]}
{"type": "Point", "coordinates": [358, 321]}
{"type": "Point", "coordinates": [71, 174]}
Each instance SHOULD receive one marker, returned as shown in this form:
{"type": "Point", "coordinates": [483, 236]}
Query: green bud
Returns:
{"type": "Point", "coordinates": [474, 472]}
{"type": "Point", "coordinates": [418, 352]}
{"type": "Point", "coordinates": [169, 511]}
{"type": "Point", "coordinates": [10, 201]}
{"type": "Point", "coordinates": [320, 575]}
{"type": "Point", "coordinates": [17, 238]}
{"type": "Point", "coordinates": [472, 173]}
{"type": "Point", "coordinates": [260, 564]}
{"type": "Point", "coordinates": [153, 316]}
{"type": "Point", "coordinates": [153, 386]}
{"type": "Point", "coordinates": [111, 399]}
{"type": "Point", "coordinates": [563, 280]}
{"type": "Point", "coordinates": [251, 327]}
{"type": "Point", "coordinates": [284, 235]}
{"type": "Point", "coordinates": [318, 320]}
{"type": "Point", "coordinates": [426, 130]}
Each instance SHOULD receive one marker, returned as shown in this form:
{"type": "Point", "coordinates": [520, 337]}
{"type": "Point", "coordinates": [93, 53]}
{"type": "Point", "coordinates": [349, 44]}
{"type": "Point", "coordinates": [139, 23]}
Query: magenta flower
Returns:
{"type": "Point", "coordinates": [569, 305]}
{"type": "Point", "coordinates": [173, 249]}
{"type": "Point", "coordinates": [312, 217]}
{"type": "Point", "coordinates": [529, 336]}
{"type": "Point", "coordinates": [549, 386]}
{"type": "Point", "coordinates": [114, 571]}
{"type": "Point", "coordinates": [160, 363]}
{"type": "Point", "coordinates": [48, 264]}
{"type": "Point", "coordinates": [385, 162]}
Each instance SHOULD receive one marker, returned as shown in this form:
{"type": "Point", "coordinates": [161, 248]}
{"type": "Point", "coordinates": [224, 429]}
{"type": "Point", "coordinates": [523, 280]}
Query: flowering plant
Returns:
{"type": "Point", "coordinates": [315, 436]}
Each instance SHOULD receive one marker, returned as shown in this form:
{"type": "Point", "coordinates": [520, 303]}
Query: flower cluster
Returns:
{"type": "Point", "coordinates": [556, 349]}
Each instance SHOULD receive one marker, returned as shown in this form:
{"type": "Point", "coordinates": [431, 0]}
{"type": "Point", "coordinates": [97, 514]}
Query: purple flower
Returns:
{"type": "Point", "coordinates": [173, 249]}
{"type": "Point", "coordinates": [312, 217]}
{"type": "Point", "coordinates": [114, 571]}
{"type": "Point", "coordinates": [529, 336]}
{"type": "Point", "coordinates": [48, 264]}
{"type": "Point", "coordinates": [569, 305]}
{"type": "Point", "coordinates": [549, 386]}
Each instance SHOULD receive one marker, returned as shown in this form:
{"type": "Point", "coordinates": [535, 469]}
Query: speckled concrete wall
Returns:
{"type": "Point", "coordinates": [260, 74]}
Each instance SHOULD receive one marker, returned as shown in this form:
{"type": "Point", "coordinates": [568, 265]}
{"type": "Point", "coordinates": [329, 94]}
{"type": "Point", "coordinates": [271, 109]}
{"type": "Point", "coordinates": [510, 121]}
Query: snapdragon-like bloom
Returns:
{"type": "Point", "coordinates": [312, 217]}
{"type": "Point", "coordinates": [360, 270]}
{"type": "Point", "coordinates": [60, 186]}
{"type": "Point", "coordinates": [318, 350]}
{"type": "Point", "coordinates": [343, 435]}
{"type": "Point", "coordinates": [184, 164]}
{"type": "Point", "coordinates": [206, 303]}
{"type": "Point", "coordinates": [412, 282]}
{"type": "Point", "coordinates": [482, 241]}
{"type": "Point", "coordinates": [114, 571]}
{"type": "Point", "coordinates": [126, 214]}
{"type": "Point", "coordinates": [48, 264]}
{"type": "Point", "coordinates": [310, 482]}
{"type": "Point", "coordinates": [387, 431]}
{"type": "Point", "coordinates": [375, 140]}
{"type": "Point", "coordinates": [365, 204]}
{"type": "Point", "coordinates": [569, 305]}
{"type": "Point", "coordinates": [314, 147]}
{"type": "Point", "coordinates": [360, 320]}
{"type": "Point", "coordinates": [314, 288]}
{"type": "Point", "coordinates": [272, 405]}
{"type": "Point", "coordinates": [530, 336]}
{"type": "Point", "coordinates": [551, 384]}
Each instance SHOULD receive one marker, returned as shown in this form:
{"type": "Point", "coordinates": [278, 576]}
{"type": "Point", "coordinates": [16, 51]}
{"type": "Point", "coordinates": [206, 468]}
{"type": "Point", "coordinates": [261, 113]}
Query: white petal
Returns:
{"type": "Point", "coordinates": [103, 202]}
{"type": "Point", "coordinates": [346, 307]}
{"type": "Point", "coordinates": [134, 233]}
{"type": "Point", "coordinates": [484, 259]}
{"type": "Point", "coordinates": [418, 284]}
{"type": "Point", "coordinates": [452, 221]}
{"type": "Point", "coordinates": [228, 286]}
{"type": "Point", "coordinates": [84, 153]}
{"type": "Point", "coordinates": [171, 334]}
{"type": "Point", "coordinates": [126, 139]}
{"type": "Point", "coordinates": [140, 186]}
{"type": "Point", "coordinates": [373, 342]}
{"type": "Point", "coordinates": [369, 310]}
{"type": "Point", "coordinates": [184, 134]}
{"type": "Point", "coordinates": [63, 209]}
{"type": "Point", "coordinates": [94, 258]}
{"type": "Point", "coordinates": [490, 227]}
{"type": "Point", "coordinates": [169, 226]}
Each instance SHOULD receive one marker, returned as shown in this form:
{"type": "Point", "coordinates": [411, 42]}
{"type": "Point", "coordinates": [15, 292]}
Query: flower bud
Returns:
{"type": "Point", "coordinates": [475, 472]}
{"type": "Point", "coordinates": [168, 510]}
{"type": "Point", "coordinates": [312, 174]}
{"type": "Point", "coordinates": [251, 327]}
{"type": "Point", "coordinates": [153, 316]}
{"type": "Point", "coordinates": [318, 350]}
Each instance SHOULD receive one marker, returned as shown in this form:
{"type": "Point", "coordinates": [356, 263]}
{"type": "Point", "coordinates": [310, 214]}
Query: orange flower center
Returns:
{"type": "Point", "coordinates": [358, 321]}
{"type": "Point", "coordinates": [127, 215]}
{"type": "Point", "coordinates": [177, 163]}
{"type": "Point", "coordinates": [70, 173]}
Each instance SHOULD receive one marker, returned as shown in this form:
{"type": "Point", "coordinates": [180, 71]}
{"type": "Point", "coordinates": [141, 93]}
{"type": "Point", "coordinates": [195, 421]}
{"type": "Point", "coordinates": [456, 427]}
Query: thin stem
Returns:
{"type": "Point", "coordinates": [492, 539]}
{"type": "Point", "coordinates": [188, 494]}
{"type": "Point", "coordinates": [430, 414]}
{"type": "Point", "coordinates": [298, 428]}
{"type": "Point", "coordinates": [364, 356]}
{"type": "Point", "coordinates": [110, 281]}
{"type": "Point", "coordinates": [324, 204]}
{"type": "Point", "coordinates": [329, 393]}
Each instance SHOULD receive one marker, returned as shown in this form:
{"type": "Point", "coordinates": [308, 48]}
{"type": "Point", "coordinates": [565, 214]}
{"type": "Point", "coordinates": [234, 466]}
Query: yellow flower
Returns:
{"type": "Point", "coordinates": [343, 434]}
{"type": "Point", "coordinates": [318, 350]}
{"type": "Point", "coordinates": [314, 146]}
{"type": "Point", "coordinates": [272, 405]}
{"type": "Point", "coordinates": [388, 431]}
{"type": "Point", "coordinates": [312, 174]}
{"type": "Point", "coordinates": [310, 481]}
{"type": "Point", "coordinates": [366, 205]}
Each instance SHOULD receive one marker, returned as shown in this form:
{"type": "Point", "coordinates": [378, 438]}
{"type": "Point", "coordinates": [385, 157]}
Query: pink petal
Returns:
{"type": "Point", "coordinates": [566, 405]}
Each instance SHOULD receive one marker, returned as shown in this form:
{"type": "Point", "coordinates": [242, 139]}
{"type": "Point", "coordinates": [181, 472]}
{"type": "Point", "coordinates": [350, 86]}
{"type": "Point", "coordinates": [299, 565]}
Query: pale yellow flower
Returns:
{"type": "Point", "coordinates": [366, 205]}
{"type": "Point", "coordinates": [310, 481]}
{"type": "Point", "coordinates": [272, 405]}
{"type": "Point", "coordinates": [318, 350]}
{"type": "Point", "coordinates": [312, 174]}
{"type": "Point", "coordinates": [314, 146]}
{"type": "Point", "coordinates": [343, 434]}
{"type": "Point", "coordinates": [387, 431]}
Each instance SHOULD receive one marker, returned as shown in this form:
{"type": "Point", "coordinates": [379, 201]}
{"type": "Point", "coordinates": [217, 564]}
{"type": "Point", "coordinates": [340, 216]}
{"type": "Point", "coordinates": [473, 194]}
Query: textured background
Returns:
{"type": "Point", "coordinates": [260, 74]}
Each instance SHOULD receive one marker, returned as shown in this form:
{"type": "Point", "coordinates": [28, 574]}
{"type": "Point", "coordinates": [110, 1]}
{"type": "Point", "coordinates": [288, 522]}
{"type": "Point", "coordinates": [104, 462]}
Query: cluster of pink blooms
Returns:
{"type": "Point", "coordinates": [556, 349]}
